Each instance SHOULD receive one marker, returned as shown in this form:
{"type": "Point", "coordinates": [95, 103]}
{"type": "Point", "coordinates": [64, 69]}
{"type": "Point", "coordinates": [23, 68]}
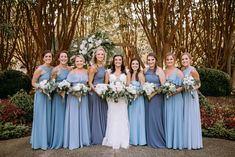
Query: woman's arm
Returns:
{"type": "Point", "coordinates": [91, 75]}
{"type": "Point", "coordinates": [36, 76]}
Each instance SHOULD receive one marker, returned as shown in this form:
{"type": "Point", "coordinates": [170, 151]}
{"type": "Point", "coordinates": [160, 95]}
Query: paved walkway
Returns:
{"type": "Point", "coordinates": [212, 148]}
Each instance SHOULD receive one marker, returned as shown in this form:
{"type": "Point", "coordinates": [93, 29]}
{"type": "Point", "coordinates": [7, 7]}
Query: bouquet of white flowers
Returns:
{"type": "Point", "coordinates": [115, 91]}
{"type": "Point", "coordinates": [63, 87]}
{"type": "Point", "coordinates": [150, 88]}
{"type": "Point", "coordinates": [189, 84]}
{"type": "Point", "coordinates": [47, 87]}
{"type": "Point", "coordinates": [133, 92]}
{"type": "Point", "coordinates": [79, 90]}
{"type": "Point", "coordinates": [101, 89]}
{"type": "Point", "coordinates": [168, 88]}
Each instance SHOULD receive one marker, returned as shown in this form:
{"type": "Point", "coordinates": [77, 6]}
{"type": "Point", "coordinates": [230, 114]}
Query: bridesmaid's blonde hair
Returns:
{"type": "Point", "coordinates": [94, 59]}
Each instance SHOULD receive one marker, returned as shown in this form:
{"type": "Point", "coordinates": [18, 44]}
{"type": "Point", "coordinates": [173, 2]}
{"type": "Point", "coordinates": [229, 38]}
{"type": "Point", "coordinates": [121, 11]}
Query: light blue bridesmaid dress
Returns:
{"type": "Point", "coordinates": [77, 123]}
{"type": "Point", "coordinates": [174, 115]}
{"type": "Point", "coordinates": [58, 114]}
{"type": "Point", "coordinates": [98, 110]}
{"type": "Point", "coordinates": [192, 122]}
{"type": "Point", "coordinates": [136, 113]}
{"type": "Point", "coordinates": [41, 129]}
{"type": "Point", "coordinates": [154, 115]}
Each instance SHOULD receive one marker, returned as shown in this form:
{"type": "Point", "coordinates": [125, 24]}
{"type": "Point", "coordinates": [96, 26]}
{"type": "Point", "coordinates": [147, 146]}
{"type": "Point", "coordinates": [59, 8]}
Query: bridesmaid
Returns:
{"type": "Point", "coordinates": [41, 129]}
{"type": "Point", "coordinates": [155, 105]}
{"type": "Point", "coordinates": [192, 121]}
{"type": "Point", "coordinates": [60, 73]}
{"type": "Point", "coordinates": [77, 124]}
{"type": "Point", "coordinates": [174, 106]}
{"type": "Point", "coordinates": [97, 106]}
{"type": "Point", "coordinates": [136, 107]}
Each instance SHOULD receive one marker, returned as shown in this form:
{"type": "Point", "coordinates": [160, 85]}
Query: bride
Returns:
{"type": "Point", "coordinates": [117, 131]}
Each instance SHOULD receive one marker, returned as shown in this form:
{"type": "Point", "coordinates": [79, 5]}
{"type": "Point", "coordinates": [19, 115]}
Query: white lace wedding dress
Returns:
{"type": "Point", "coordinates": [117, 131]}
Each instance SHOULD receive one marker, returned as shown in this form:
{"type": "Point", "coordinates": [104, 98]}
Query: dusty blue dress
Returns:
{"type": "Point", "coordinates": [154, 115]}
{"type": "Point", "coordinates": [136, 113]}
{"type": "Point", "coordinates": [41, 128]}
{"type": "Point", "coordinates": [98, 110]}
{"type": "Point", "coordinates": [174, 115]}
{"type": "Point", "coordinates": [192, 122]}
{"type": "Point", "coordinates": [58, 114]}
{"type": "Point", "coordinates": [77, 123]}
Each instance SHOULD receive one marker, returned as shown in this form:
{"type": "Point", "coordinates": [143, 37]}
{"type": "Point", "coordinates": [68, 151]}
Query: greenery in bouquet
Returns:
{"type": "Point", "coordinates": [79, 90]}
{"type": "Point", "coordinates": [88, 45]}
{"type": "Point", "coordinates": [168, 88]}
{"type": "Point", "coordinates": [116, 90]}
{"type": "Point", "coordinates": [47, 87]}
{"type": "Point", "coordinates": [63, 88]}
{"type": "Point", "coordinates": [133, 92]}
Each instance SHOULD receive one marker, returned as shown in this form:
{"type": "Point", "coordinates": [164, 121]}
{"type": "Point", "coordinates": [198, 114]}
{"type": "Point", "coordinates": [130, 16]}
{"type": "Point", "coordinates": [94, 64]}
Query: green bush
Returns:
{"type": "Point", "coordinates": [214, 82]}
{"type": "Point", "coordinates": [8, 131]}
{"type": "Point", "coordinates": [24, 101]}
{"type": "Point", "coordinates": [12, 81]}
{"type": "Point", "coordinates": [218, 130]}
{"type": "Point", "coordinates": [204, 103]}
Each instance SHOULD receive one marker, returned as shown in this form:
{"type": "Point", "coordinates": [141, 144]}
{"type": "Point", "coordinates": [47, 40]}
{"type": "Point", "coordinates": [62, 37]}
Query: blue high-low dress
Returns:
{"type": "Point", "coordinates": [192, 122]}
{"type": "Point", "coordinates": [174, 115]}
{"type": "Point", "coordinates": [77, 123]}
{"type": "Point", "coordinates": [154, 115]}
{"type": "Point", "coordinates": [137, 119]}
{"type": "Point", "coordinates": [41, 128]}
{"type": "Point", "coordinates": [58, 114]}
{"type": "Point", "coordinates": [98, 110]}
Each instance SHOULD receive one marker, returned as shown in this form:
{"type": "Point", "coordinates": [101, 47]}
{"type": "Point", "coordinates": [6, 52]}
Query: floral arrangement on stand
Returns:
{"type": "Point", "coordinates": [89, 44]}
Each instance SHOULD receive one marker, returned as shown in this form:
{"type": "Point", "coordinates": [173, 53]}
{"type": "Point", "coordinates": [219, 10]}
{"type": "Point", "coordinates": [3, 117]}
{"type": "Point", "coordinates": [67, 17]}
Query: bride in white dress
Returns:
{"type": "Point", "coordinates": [117, 131]}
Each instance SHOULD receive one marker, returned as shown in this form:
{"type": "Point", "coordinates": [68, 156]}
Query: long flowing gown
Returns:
{"type": "Point", "coordinates": [77, 123]}
{"type": "Point", "coordinates": [58, 114]}
{"type": "Point", "coordinates": [41, 128]}
{"type": "Point", "coordinates": [136, 112]}
{"type": "Point", "coordinates": [192, 122]}
{"type": "Point", "coordinates": [174, 115]}
{"type": "Point", "coordinates": [117, 131]}
{"type": "Point", "coordinates": [98, 110]}
{"type": "Point", "coordinates": [154, 115]}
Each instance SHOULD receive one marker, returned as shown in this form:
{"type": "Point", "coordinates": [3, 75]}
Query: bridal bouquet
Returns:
{"type": "Point", "coordinates": [63, 87]}
{"type": "Point", "coordinates": [79, 90]}
{"type": "Point", "coordinates": [150, 88]}
{"type": "Point", "coordinates": [189, 84]}
{"type": "Point", "coordinates": [47, 87]}
{"type": "Point", "coordinates": [115, 91]}
{"type": "Point", "coordinates": [101, 89]}
{"type": "Point", "coordinates": [168, 88]}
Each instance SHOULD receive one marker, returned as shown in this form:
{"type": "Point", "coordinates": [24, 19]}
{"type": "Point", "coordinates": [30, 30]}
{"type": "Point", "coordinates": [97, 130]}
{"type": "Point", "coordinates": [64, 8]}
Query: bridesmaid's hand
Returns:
{"type": "Point", "coordinates": [151, 95]}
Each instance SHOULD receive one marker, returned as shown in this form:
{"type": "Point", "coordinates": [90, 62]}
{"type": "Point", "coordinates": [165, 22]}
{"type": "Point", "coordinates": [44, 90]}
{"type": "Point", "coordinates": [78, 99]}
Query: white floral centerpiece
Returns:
{"type": "Point", "coordinates": [88, 45]}
{"type": "Point", "coordinates": [168, 88]}
{"type": "Point", "coordinates": [63, 87]}
{"type": "Point", "coordinates": [47, 87]}
{"type": "Point", "coordinates": [79, 90]}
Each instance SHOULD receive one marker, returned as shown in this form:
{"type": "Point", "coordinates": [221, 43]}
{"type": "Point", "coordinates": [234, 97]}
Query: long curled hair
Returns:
{"type": "Point", "coordinates": [123, 70]}
{"type": "Point", "coordinates": [94, 59]}
{"type": "Point", "coordinates": [138, 70]}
